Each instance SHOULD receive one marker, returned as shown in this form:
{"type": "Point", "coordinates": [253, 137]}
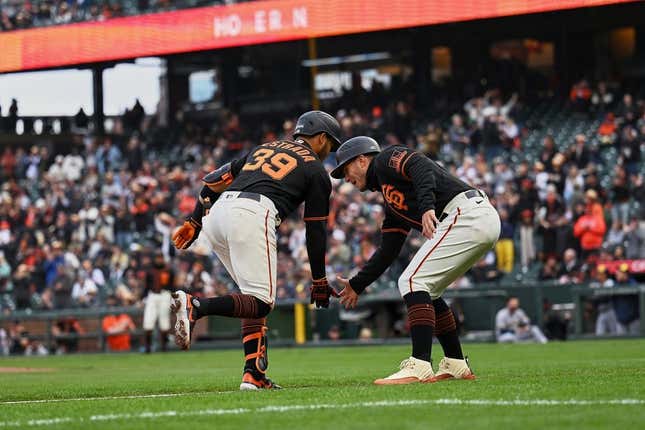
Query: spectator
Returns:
{"type": "Point", "coordinates": [527, 246]}
{"type": "Point", "coordinates": [66, 332]}
{"type": "Point", "coordinates": [21, 287]}
{"type": "Point", "coordinates": [573, 185]}
{"type": "Point", "coordinates": [73, 165]}
{"type": "Point", "coordinates": [556, 324]}
{"type": "Point", "coordinates": [550, 270]}
{"type": "Point", "coordinates": [607, 130]}
{"type": "Point", "coordinates": [18, 338]}
{"type": "Point", "coordinates": [4, 342]}
{"type": "Point", "coordinates": [571, 271]}
{"type": "Point", "coordinates": [606, 317]}
{"type": "Point", "coordinates": [458, 138]}
{"type": "Point", "coordinates": [626, 306]}
{"type": "Point", "coordinates": [580, 96]}
{"type": "Point", "coordinates": [553, 222]}
{"type": "Point", "coordinates": [626, 107]}
{"type": "Point", "coordinates": [590, 228]}
{"type": "Point", "coordinates": [579, 153]}
{"type": "Point", "coordinates": [339, 254]}
{"type": "Point", "coordinates": [159, 284]}
{"type": "Point", "coordinates": [548, 150]}
{"type": "Point", "coordinates": [615, 235]}
{"type": "Point", "coordinates": [510, 134]}
{"type": "Point", "coordinates": [56, 172]}
{"type": "Point", "coordinates": [108, 157]}
{"type": "Point", "coordinates": [602, 98]}
{"type": "Point", "coordinates": [635, 239]}
{"type": "Point", "coordinates": [512, 325]}
{"type": "Point", "coordinates": [53, 260]}
{"type": "Point", "coordinates": [620, 196]}
{"type": "Point", "coordinates": [629, 146]}
{"type": "Point", "coordinates": [84, 291]}
{"type": "Point", "coordinates": [118, 329]}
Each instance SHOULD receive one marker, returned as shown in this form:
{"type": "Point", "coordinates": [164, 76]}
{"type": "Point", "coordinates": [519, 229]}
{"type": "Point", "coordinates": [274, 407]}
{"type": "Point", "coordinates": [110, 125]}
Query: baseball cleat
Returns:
{"type": "Point", "coordinates": [182, 306]}
{"type": "Point", "coordinates": [412, 370]}
{"type": "Point", "coordinates": [452, 368]}
{"type": "Point", "coordinates": [249, 382]}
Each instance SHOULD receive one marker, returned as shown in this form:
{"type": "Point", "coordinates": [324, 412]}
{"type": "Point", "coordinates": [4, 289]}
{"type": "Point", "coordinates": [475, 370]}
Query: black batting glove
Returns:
{"type": "Point", "coordinates": [321, 292]}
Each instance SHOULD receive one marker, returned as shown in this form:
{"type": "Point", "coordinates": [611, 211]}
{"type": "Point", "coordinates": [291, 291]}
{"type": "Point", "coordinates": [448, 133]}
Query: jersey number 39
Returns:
{"type": "Point", "coordinates": [277, 166]}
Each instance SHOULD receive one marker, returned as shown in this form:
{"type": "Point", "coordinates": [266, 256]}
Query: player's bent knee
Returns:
{"type": "Point", "coordinates": [408, 285]}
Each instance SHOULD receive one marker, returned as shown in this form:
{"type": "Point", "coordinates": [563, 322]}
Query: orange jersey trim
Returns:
{"type": "Point", "coordinates": [395, 230]}
{"type": "Point", "coordinates": [316, 218]}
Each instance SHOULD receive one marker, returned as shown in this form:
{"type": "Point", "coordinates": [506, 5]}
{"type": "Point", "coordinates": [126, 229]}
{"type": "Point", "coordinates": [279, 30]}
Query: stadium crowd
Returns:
{"type": "Point", "coordinates": [21, 14]}
{"type": "Point", "coordinates": [81, 228]}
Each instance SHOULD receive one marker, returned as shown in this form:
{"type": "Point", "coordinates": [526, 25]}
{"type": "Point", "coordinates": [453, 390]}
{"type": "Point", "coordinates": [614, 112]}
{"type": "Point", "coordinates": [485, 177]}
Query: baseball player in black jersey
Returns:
{"type": "Point", "coordinates": [239, 208]}
{"type": "Point", "coordinates": [460, 226]}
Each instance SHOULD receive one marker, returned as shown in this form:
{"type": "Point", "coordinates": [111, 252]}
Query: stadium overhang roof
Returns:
{"type": "Point", "coordinates": [245, 24]}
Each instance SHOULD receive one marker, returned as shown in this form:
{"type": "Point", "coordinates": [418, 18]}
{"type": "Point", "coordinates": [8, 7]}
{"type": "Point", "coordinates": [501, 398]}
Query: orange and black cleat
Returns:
{"type": "Point", "coordinates": [183, 308]}
{"type": "Point", "coordinates": [250, 382]}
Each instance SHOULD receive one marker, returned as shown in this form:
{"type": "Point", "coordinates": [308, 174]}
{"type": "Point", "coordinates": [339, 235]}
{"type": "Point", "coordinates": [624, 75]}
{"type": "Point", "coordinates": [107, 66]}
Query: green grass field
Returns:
{"type": "Point", "coordinates": [599, 384]}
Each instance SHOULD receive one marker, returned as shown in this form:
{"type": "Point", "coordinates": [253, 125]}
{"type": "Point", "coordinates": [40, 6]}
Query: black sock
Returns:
{"type": "Point", "coordinates": [232, 305]}
{"type": "Point", "coordinates": [421, 317]}
{"type": "Point", "coordinates": [164, 340]}
{"type": "Point", "coordinates": [223, 306]}
{"type": "Point", "coordinates": [148, 340]}
{"type": "Point", "coordinates": [446, 330]}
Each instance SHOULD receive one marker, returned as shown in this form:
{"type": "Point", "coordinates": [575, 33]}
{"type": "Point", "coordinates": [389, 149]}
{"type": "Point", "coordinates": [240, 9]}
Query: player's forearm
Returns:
{"type": "Point", "coordinates": [215, 183]}
{"type": "Point", "coordinates": [316, 237]}
{"type": "Point", "coordinates": [390, 248]}
{"type": "Point", "coordinates": [204, 202]}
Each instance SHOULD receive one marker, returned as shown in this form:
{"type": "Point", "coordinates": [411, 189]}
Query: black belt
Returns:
{"type": "Point", "coordinates": [470, 194]}
{"type": "Point", "coordinates": [247, 195]}
{"type": "Point", "coordinates": [258, 198]}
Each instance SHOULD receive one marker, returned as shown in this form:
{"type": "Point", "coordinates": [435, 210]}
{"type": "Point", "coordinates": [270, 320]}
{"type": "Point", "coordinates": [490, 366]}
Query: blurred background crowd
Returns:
{"type": "Point", "coordinates": [20, 14]}
{"type": "Point", "coordinates": [87, 227]}
{"type": "Point", "coordinates": [80, 227]}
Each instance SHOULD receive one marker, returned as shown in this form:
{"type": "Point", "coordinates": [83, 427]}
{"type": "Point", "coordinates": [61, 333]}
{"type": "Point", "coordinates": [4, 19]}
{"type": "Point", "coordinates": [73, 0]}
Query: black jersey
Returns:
{"type": "Point", "coordinates": [288, 173]}
{"type": "Point", "coordinates": [411, 185]}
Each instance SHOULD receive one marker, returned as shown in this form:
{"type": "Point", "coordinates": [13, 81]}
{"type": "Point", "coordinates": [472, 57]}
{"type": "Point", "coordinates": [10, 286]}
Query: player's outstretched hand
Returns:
{"type": "Point", "coordinates": [321, 292]}
{"type": "Point", "coordinates": [429, 222]}
{"type": "Point", "coordinates": [348, 296]}
{"type": "Point", "coordinates": [186, 234]}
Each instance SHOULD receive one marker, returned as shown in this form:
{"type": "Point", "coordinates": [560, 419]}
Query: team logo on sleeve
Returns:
{"type": "Point", "coordinates": [394, 197]}
{"type": "Point", "coordinates": [396, 158]}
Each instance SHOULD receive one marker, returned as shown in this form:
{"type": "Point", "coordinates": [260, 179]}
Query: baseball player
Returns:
{"type": "Point", "coordinates": [159, 281]}
{"type": "Point", "coordinates": [460, 226]}
{"type": "Point", "coordinates": [239, 208]}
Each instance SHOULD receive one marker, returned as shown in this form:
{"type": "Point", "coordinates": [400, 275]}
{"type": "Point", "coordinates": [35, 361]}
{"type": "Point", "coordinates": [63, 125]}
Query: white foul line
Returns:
{"type": "Point", "coordinates": [288, 408]}
{"type": "Point", "coordinates": [133, 396]}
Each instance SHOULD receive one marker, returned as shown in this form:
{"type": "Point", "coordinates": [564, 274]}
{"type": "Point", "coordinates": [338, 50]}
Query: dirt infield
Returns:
{"type": "Point", "coordinates": [25, 369]}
